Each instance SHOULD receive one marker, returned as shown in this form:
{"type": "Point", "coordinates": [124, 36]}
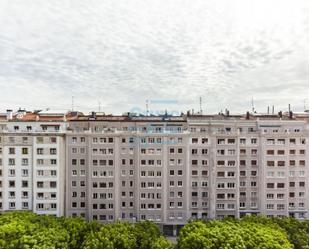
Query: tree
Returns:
{"type": "Point", "coordinates": [231, 234]}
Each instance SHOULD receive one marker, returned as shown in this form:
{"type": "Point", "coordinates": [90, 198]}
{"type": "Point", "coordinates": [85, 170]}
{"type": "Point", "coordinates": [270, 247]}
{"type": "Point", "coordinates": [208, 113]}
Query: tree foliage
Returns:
{"type": "Point", "coordinates": [25, 230]}
{"type": "Point", "coordinates": [232, 234]}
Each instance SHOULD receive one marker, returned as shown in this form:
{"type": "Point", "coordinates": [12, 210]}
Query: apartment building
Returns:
{"type": "Point", "coordinates": [33, 162]}
{"type": "Point", "coordinates": [166, 169]}
{"type": "Point", "coordinates": [122, 168]}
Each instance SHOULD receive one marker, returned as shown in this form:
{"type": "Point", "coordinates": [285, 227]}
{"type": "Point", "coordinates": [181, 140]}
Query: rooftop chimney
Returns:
{"type": "Point", "coordinates": [9, 114]}
{"type": "Point", "coordinates": [247, 115]}
{"type": "Point", "coordinates": [93, 115]}
{"type": "Point", "coordinates": [280, 114]}
{"type": "Point", "coordinates": [227, 112]}
{"type": "Point", "coordinates": [290, 112]}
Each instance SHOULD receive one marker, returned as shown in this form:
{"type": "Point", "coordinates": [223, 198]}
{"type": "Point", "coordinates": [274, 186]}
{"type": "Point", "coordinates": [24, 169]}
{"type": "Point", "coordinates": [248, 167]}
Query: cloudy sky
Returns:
{"type": "Point", "coordinates": [171, 52]}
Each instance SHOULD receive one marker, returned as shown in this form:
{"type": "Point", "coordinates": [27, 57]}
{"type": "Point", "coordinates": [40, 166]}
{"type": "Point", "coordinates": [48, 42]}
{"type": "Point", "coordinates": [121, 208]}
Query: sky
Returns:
{"type": "Point", "coordinates": [114, 56]}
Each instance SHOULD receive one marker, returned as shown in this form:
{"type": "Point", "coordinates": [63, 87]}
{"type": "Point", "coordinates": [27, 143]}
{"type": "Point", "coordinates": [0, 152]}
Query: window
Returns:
{"type": "Point", "coordinates": [280, 206]}
{"type": "Point", "coordinates": [53, 140]}
{"type": "Point", "coordinates": [11, 161]}
{"type": "Point", "coordinates": [231, 174]}
{"type": "Point", "coordinates": [281, 141]}
{"type": "Point", "coordinates": [270, 141]}
{"type": "Point", "coordinates": [24, 205]}
{"type": "Point", "coordinates": [220, 185]}
{"type": "Point", "coordinates": [194, 172]}
{"type": "Point", "coordinates": [221, 141]}
{"type": "Point", "coordinates": [220, 174]}
{"type": "Point", "coordinates": [204, 140]}
{"type": "Point", "coordinates": [220, 152]}
{"type": "Point", "coordinates": [270, 152]}
{"type": "Point", "coordinates": [270, 206]}
{"type": "Point", "coordinates": [242, 162]}
{"type": "Point", "coordinates": [270, 185]}
{"type": "Point", "coordinates": [280, 185]}
{"type": "Point", "coordinates": [270, 196]}
{"type": "Point", "coordinates": [292, 163]}
{"type": "Point", "coordinates": [53, 184]}
{"type": "Point", "coordinates": [270, 163]}
{"type": "Point", "coordinates": [281, 163]}
{"type": "Point", "coordinates": [194, 140]}
{"type": "Point", "coordinates": [39, 140]}
{"type": "Point", "coordinates": [40, 151]}
{"type": "Point", "coordinates": [24, 184]}
{"type": "Point", "coordinates": [24, 172]}
{"type": "Point", "coordinates": [53, 151]}
{"type": "Point", "coordinates": [254, 173]}
{"type": "Point", "coordinates": [194, 151]}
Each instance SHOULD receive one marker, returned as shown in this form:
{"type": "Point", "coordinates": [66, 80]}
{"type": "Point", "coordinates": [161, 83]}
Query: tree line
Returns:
{"type": "Point", "coordinates": [25, 230]}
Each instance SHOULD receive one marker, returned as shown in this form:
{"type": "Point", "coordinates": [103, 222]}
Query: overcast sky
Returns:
{"type": "Point", "coordinates": [122, 52]}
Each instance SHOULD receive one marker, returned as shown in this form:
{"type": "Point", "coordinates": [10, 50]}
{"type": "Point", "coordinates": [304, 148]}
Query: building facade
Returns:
{"type": "Point", "coordinates": [162, 168]}
{"type": "Point", "coordinates": [33, 163]}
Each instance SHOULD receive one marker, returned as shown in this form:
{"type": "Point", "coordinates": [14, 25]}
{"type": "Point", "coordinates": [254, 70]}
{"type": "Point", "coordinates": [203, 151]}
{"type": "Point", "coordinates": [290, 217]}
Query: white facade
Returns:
{"type": "Point", "coordinates": [33, 165]}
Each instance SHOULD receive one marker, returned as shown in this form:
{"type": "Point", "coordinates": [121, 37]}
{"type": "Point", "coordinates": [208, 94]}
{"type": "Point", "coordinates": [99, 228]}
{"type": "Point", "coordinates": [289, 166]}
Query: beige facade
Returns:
{"type": "Point", "coordinates": [181, 168]}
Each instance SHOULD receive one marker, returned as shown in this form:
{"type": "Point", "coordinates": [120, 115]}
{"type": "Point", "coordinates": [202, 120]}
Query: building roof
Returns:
{"type": "Point", "coordinates": [62, 116]}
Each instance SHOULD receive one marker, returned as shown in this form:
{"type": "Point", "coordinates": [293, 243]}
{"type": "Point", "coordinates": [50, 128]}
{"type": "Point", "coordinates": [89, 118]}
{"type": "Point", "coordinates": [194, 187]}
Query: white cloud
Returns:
{"type": "Point", "coordinates": [124, 52]}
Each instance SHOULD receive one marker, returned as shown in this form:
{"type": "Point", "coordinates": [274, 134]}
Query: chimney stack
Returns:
{"type": "Point", "coordinates": [280, 114]}
{"type": "Point", "coordinates": [9, 114]}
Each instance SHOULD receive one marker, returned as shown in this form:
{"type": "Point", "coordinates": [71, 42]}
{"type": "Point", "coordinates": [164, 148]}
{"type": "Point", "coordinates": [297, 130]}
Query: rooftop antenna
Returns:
{"type": "Point", "coordinates": [147, 107]}
{"type": "Point", "coordinates": [201, 110]}
{"type": "Point", "coordinates": [273, 110]}
{"type": "Point", "coordinates": [252, 105]}
{"type": "Point", "coordinates": [72, 103]}
{"type": "Point", "coordinates": [99, 106]}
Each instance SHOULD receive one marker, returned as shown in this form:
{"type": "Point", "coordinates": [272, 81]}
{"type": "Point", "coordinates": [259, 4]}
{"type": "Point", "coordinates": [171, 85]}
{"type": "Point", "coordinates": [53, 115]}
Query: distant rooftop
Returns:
{"type": "Point", "coordinates": [62, 115]}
